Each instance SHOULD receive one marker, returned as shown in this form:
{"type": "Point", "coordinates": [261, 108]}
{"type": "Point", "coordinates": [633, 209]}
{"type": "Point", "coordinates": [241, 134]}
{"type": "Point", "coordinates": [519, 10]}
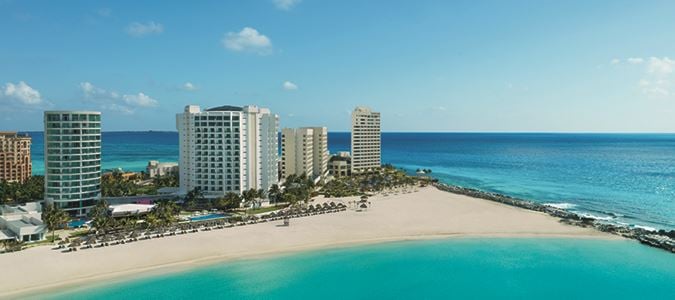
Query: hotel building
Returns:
{"type": "Point", "coordinates": [365, 140]}
{"type": "Point", "coordinates": [72, 160]}
{"type": "Point", "coordinates": [227, 149]}
{"type": "Point", "coordinates": [159, 169]}
{"type": "Point", "coordinates": [15, 163]}
{"type": "Point", "coordinates": [339, 165]}
{"type": "Point", "coordinates": [304, 151]}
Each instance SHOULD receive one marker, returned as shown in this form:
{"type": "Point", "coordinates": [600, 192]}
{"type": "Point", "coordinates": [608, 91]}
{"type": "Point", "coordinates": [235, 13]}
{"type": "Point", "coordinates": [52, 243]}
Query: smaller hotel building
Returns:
{"type": "Point", "coordinates": [365, 140]}
{"type": "Point", "coordinates": [304, 151]}
{"type": "Point", "coordinates": [15, 161]}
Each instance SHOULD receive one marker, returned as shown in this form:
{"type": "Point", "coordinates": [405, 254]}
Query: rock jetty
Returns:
{"type": "Point", "coordinates": [660, 239]}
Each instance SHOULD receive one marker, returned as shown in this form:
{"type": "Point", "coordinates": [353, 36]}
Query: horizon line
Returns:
{"type": "Point", "coordinates": [459, 132]}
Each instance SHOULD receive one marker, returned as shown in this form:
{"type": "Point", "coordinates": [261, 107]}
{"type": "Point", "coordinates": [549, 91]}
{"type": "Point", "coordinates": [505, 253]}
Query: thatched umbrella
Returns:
{"type": "Point", "coordinates": [74, 244]}
{"type": "Point", "coordinates": [91, 241]}
{"type": "Point", "coordinates": [120, 238]}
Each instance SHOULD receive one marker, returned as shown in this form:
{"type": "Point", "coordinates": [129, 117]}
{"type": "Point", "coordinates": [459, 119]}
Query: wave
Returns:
{"type": "Point", "coordinates": [648, 228]}
{"type": "Point", "coordinates": [563, 205]}
{"type": "Point", "coordinates": [601, 218]}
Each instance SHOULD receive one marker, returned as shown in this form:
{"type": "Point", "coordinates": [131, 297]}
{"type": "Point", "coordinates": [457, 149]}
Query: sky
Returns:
{"type": "Point", "coordinates": [498, 66]}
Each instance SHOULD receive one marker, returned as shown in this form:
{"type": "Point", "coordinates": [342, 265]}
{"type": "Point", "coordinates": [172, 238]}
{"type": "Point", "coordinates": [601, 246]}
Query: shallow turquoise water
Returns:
{"type": "Point", "coordinates": [440, 269]}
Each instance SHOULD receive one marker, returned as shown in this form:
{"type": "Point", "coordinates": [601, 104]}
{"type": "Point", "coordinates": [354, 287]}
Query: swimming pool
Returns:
{"type": "Point", "coordinates": [207, 217]}
{"type": "Point", "coordinates": [76, 223]}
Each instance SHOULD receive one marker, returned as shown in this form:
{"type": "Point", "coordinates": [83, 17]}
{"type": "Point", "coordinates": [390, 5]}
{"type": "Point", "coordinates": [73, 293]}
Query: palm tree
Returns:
{"type": "Point", "coordinates": [231, 200]}
{"type": "Point", "coordinates": [249, 196]}
{"type": "Point", "coordinates": [260, 194]}
{"type": "Point", "coordinates": [194, 197]}
{"type": "Point", "coordinates": [166, 211]}
{"type": "Point", "coordinates": [54, 218]}
{"type": "Point", "coordinates": [101, 220]}
{"type": "Point", "coordinates": [274, 193]}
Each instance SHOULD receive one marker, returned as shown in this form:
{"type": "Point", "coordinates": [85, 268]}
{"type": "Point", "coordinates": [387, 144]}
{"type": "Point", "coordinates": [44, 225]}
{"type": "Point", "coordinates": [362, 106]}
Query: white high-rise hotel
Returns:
{"type": "Point", "coordinates": [304, 151]}
{"type": "Point", "coordinates": [227, 149]}
{"type": "Point", "coordinates": [366, 153]}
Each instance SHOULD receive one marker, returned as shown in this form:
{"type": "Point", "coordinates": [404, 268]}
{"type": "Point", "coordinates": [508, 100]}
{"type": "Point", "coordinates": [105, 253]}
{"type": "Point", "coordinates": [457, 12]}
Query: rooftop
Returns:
{"type": "Point", "coordinates": [226, 108]}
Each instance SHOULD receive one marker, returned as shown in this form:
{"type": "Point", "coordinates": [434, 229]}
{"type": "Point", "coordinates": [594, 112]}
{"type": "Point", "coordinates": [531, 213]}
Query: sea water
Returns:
{"type": "Point", "coordinates": [440, 269]}
{"type": "Point", "coordinates": [622, 178]}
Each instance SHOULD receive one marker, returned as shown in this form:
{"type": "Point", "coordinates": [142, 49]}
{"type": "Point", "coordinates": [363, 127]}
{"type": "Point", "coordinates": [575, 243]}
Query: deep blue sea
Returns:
{"type": "Point", "coordinates": [623, 178]}
{"type": "Point", "coordinates": [441, 269]}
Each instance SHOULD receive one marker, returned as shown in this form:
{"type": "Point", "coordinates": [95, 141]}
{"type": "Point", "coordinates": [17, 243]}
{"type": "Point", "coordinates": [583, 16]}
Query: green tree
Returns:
{"type": "Point", "coordinates": [274, 193]}
{"type": "Point", "coordinates": [54, 218]}
{"type": "Point", "coordinates": [166, 211]}
{"type": "Point", "coordinates": [194, 198]}
{"type": "Point", "coordinates": [249, 197]}
{"type": "Point", "coordinates": [229, 201]}
{"type": "Point", "coordinates": [101, 219]}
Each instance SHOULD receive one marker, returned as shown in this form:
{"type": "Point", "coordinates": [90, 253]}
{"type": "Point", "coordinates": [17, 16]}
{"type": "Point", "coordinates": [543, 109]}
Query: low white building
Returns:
{"type": "Point", "coordinates": [125, 210]}
{"type": "Point", "coordinates": [22, 223]}
{"type": "Point", "coordinates": [157, 169]}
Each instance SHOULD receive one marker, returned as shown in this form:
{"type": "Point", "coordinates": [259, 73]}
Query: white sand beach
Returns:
{"type": "Point", "coordinates": [428, 213]}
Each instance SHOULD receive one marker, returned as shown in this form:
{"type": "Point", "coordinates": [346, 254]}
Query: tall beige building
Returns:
{"type": "Point", "coordinates": [366, 140]}
{"type": "Point", "coordinates": [304, 151]}
{"type": "Point", "coordinates": [15, 162]}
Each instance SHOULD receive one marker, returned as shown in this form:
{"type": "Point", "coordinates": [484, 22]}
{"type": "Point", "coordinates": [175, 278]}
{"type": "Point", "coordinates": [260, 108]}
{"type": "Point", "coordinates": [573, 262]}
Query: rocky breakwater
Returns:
{"type": "Point", "coordinates": [660, 239]}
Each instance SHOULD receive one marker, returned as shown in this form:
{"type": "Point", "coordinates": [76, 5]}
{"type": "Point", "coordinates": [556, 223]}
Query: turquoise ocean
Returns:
{"type": "Point", "coordinates": [439, 269]}
{"type": "Point", "coordinates": [621, 178]}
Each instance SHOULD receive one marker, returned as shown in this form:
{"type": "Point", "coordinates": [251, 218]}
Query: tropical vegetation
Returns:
{"type": "Point", "coordinates": [54, 218]}
{"type": "Point", "coordinates": [16, 193]}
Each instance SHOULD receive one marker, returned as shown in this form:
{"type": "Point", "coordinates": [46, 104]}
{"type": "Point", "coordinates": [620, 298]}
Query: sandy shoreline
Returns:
{"type": "Point", "coordinates": [427, 214]}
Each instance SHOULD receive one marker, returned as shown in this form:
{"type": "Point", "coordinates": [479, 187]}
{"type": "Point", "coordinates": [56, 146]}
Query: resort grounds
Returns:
{"type": "Point", "coordinates": [422, 213]}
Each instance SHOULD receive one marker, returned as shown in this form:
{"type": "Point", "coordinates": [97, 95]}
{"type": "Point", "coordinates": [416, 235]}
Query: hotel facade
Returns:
{"type": "Point", "coordinates": [365, 140]}
{"type": "Point", "coordinates": [227, 149]}
{"type": "Point", "coordinates": [304, 151]}
{"type": "Point", "coordinates": [15, 161]}
{"type": "Point", "coordinates": [72, 141]}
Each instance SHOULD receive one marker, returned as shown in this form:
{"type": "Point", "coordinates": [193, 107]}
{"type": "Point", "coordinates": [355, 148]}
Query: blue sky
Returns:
{"type": "Point", "coordinates": [562, 66]}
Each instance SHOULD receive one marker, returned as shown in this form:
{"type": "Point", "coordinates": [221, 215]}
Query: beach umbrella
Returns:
{"type": "Point", "coordinates": [74, 243]}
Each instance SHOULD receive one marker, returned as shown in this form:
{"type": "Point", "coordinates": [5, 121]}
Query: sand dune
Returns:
{"type": "Point", "coordinates": [428, 213]}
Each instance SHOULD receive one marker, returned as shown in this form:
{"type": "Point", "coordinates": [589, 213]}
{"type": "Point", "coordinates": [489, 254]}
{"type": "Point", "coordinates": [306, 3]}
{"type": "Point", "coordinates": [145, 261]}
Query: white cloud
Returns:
{"type": "Point", "coordinates": [615, 61]}
{"type": "Point", "coordinates": [635, 60]}
{"type": "Point", "coordinates": [141, 100]}
{"type": "Point", "coordinates": [657, 88]}
{"type": "Point", "coordinates": [442, 108]}
{"type": "Point", "coordinates": [188, 86]}
{"type": "Point", "coordinates": [114, 101]}
{"type": "Point", "coordinates": [137, 29]}
{"type": "Point", "coordinates": [661, 66]}
{"type": "Point", "coordinates": [22, 92]}
{"type": "Point", "coordinates": [286, 4]}
{"type": "Point", "coordinates": [289, 86]}
{"type": "Point", "coordinates": [248, 39]}
{"type": "Point", "coordinates": [657, 80]}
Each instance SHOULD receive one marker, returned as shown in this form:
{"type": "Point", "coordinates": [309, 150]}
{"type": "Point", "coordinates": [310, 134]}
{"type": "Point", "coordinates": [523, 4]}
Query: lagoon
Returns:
{"type": "Point", "coordinates": [474, 268]}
